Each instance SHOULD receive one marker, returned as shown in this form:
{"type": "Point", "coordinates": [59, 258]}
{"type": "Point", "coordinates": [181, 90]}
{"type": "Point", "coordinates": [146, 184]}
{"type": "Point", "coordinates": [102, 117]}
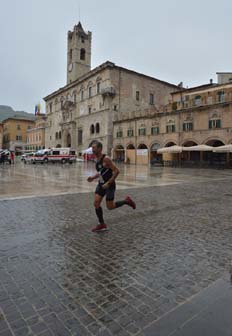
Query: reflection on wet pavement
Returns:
{"type": "Point", "coordinates": [57, 278]}
{"type": "Point", "coordinates": [35, 180]}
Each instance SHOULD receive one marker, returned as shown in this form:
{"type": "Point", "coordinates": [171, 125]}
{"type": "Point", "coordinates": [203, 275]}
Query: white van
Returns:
{"type": "Point", "coordinates": [62, 155]}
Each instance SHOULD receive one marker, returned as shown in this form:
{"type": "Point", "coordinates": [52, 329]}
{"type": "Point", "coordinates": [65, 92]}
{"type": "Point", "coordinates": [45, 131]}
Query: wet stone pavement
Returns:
{"type": "Point", "coordinates": [58, 278]}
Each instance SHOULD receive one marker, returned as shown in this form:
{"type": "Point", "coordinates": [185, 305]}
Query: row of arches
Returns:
{"type": "Point", "coordinates": [143, 153]}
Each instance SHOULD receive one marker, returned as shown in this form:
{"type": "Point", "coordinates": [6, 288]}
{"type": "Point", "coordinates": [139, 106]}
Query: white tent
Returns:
{"type": "Point", "coordinates": [223, 149]}
{"type": "Point", "coordinates": [199, 148]}
{"type": "Point", "coordinates": [87, 151]}
{"type": "Point", "coordinates": [171, 149]}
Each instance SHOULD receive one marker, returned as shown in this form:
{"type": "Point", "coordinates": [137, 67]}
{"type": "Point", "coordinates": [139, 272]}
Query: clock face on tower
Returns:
{"type": "Point", "coordinates": [70, 67]}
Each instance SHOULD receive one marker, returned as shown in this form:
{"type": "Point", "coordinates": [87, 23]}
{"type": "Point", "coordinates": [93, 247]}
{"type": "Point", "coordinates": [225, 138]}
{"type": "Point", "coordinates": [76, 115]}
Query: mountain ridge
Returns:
{"type": "Point", "coordinates": [8, 112]}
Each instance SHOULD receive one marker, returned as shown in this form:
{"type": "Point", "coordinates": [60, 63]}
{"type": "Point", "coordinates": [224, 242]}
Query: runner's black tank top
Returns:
{"type": "Point", "coordinates": [105, 173]}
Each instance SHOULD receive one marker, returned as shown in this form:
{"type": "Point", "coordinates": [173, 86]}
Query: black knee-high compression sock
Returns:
{"type": "Point", "coordinates": [99, 213]}
{"type": "Point", "coordinates": [120, 203]}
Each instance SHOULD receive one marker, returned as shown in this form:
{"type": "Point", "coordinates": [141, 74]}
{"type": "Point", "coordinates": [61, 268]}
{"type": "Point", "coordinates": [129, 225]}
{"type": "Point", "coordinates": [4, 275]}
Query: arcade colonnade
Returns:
{"type": "Point", "coordinates": [144, 152]}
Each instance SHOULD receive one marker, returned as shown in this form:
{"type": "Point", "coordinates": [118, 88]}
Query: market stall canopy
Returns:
{"type": "Point", "coordinates": [171, 149]}
{"type": "Point", "coordinates": [223, 149]}
{"type": "Point", "coordinates": [199, 148]}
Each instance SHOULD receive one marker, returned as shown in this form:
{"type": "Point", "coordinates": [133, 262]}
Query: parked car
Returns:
{"type": "Point", "coordinates": [25, 155]}
{"type": "Point", "coordinates": [38, 157]}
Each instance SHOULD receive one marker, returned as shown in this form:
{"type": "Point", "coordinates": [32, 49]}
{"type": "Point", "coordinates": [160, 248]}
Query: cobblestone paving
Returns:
{"type": "Point", "coordinates": [57, 278]}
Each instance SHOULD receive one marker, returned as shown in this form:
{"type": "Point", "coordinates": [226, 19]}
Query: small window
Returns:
{"type": "Point", "coordinates": [90, 109]}
{"type": "Point", "coordinates": [137, 95]}
{"type": "Point", "coordinates": [98, 87]}
{"type": "Point", "coordinates": [92, 129]}
{"type": "Point", "coordinates": [119, 134]}
{"type": "Point", "coordinates": [90, 91]}
{"type": "Point", "coordinates": [214, 123]}
{"type": "Point", "coordinates": [50, 107]}
{"type": "Point", "coordinates": [82, 95]}
{"type": "Point", "coordinates": [82, 54]}
{"type": "Point", "coordinates": [170, 128]}
{"type": "Point", "coordinates": [187, 126]}
{"type": "Point", "coordinates": [97, 128]}
{"type": "Point", "coordinates": [56, 152]}
{"type": "Point", "coordinates": [221, 96]}
{"type": "Point", "coordinates": [151, 101]}
{"type": "Point", "coordinates": [197, 100]}
{"type": "Point", "coordinates": [80, 136]}
{"type": "Point", "coordinates": [130, 132]}
{"type": "Point", "coordinates": [142, 131]}
{"type": "Point", "coordinates": [18, 127]}
{"type": "Point", "coordinates": [154, 130]}
{"type": "Point", "coordinates": [115, 107]}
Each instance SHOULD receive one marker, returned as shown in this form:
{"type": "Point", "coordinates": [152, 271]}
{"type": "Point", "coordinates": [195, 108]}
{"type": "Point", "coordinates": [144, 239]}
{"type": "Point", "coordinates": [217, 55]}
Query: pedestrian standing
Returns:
{"type": "Point", "coordinates": [12, 156]}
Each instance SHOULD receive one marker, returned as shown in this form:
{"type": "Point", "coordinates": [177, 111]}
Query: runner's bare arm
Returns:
{"type": "Point", "coordinates": [91, 178]}
{"type": "Point", "coordinates": [107, 163]}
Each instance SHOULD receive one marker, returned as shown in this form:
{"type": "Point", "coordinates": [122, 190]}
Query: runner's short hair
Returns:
{"type": "Point", "coordinates": [97, 143]}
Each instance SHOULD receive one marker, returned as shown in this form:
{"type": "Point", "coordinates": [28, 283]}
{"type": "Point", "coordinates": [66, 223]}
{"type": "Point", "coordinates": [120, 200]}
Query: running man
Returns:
{"type": "Point", "coordinates": [107, 172]}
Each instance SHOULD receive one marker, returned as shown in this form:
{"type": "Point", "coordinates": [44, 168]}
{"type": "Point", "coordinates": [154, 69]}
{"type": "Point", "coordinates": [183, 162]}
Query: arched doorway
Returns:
{"type": "Point", "coordinates": [215, 143]}
{"type": "Point", "coordinates": [213, 158]}
{"type": "Point", "coordinates": [142, 154]}
{"type": "Point", "coordinates": [154, 156]}
{"type": "Point", "coordinates": [119, 153]}
{"type": "Point", "coordinates": [169, 144]}
{"type": "Point", "coordinates": [172, 159]}
{"type": "Point", "coordinates": [130, 154]}
{"type": "Point", "coordinates": [190, 156]}
{"type": "Point", "coordinates": [68, 140]}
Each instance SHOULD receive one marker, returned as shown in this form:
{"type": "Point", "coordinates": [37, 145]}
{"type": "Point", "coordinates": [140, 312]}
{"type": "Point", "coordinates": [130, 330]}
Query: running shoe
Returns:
{"type": "Point", "coordinates": [100, 228]}
{"type": "Point", "coordinates": [130, 202]}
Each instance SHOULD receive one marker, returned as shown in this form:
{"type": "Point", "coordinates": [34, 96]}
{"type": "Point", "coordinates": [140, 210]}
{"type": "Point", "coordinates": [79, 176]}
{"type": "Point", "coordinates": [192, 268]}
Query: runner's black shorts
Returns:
{"type": "Point", "coordinates": [109, 192]}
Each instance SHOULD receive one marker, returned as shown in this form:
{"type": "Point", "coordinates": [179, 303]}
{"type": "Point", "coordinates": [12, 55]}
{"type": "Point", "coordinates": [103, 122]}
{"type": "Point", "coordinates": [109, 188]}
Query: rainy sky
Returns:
{"type": "Point", "coordinates": [172, 40]}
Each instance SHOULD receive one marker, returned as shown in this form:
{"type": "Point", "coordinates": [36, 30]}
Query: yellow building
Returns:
{"type": "Point", "coordinates": [196, 116]}
{"type": "Point", "coordinates": [1, 135]}
{"type": "Point", "coordinates": [36, 135]}
{"type": "Point", "coordinates": [15, 133]}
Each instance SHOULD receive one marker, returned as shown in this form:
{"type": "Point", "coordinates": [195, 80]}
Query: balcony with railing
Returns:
{"type": "Point", "coordinates": [108, 92]}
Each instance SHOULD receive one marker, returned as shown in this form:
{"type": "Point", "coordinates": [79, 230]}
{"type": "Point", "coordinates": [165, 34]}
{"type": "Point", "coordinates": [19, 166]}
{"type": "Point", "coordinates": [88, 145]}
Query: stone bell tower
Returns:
{"type": "Point", "coordinates": [78, 53]}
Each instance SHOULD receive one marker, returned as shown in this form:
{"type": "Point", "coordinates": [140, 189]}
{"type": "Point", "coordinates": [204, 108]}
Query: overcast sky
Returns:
{"type": "Point", "coordinates": [172, 40]}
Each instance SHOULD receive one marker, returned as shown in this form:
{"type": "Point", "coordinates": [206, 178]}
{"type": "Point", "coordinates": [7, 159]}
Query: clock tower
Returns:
{"type": "Point", "coordinates": [78, 53]}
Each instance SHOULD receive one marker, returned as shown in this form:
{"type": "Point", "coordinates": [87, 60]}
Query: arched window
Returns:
{"type": "Point", "coordinates": [82, 54]}
{"type": "Point", "coordinates": [92, 129]}
{"type": "Point", "coordinates": [57, 135]}
{"type": "Point", "coordinates": [97, 128]}
{"type": "Point", "coordinates": [60, 135]}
